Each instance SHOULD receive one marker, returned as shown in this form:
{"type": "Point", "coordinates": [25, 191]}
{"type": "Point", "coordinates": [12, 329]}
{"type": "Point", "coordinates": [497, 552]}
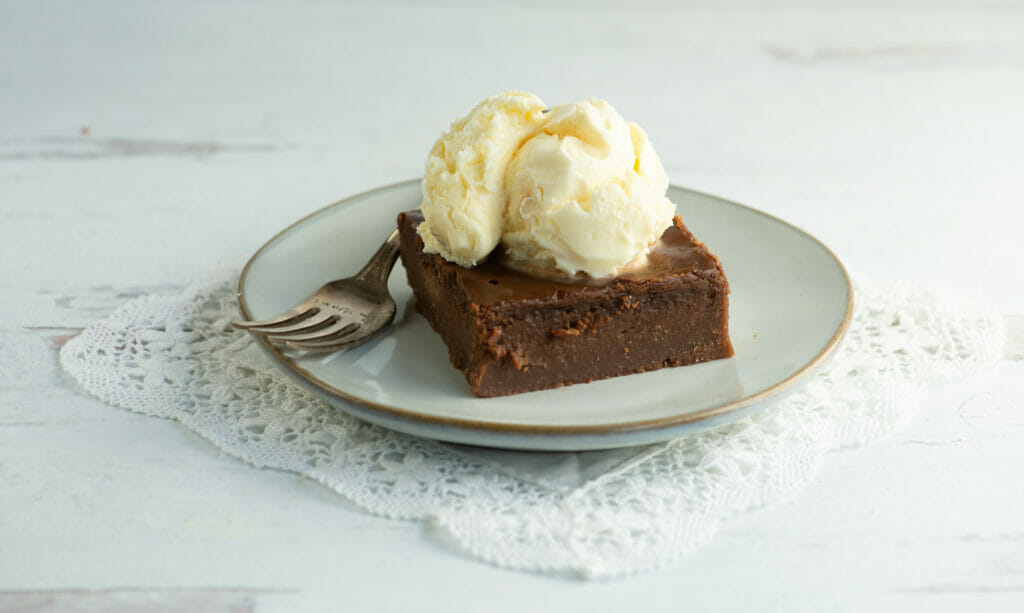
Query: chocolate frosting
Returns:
{"type": "Point", "coordinates": [676, 254]}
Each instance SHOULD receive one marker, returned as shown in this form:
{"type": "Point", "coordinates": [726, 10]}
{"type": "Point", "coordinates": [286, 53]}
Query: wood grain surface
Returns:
{"type": "Point", "coordinates": [141, 144]}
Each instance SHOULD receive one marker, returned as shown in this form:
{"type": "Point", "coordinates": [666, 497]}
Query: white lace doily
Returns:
{"type": "Point", "coordinates": [593, 514]}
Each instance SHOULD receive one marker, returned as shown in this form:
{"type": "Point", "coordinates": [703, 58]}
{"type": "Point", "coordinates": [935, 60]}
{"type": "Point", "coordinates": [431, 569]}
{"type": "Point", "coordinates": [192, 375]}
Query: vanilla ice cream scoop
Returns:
{"type": "Point", "coordinates": [574, 189]}
{"type": "Point", "coordinates": [586, 194]}
{"type": "Point", "coordinates": [464, 190]}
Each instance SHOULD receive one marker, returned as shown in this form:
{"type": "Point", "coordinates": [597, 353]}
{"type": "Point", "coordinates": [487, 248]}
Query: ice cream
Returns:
{"type": "Point", "coordinates": [587, 194]}
{"type": "Point", "coordinates": [464, 192]}
{"type": "Point", "coordinates": [575, 189]}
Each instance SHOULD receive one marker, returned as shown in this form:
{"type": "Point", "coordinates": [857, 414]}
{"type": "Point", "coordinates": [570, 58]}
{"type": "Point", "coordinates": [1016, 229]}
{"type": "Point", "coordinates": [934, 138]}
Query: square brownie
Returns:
{"type": "Point", "coordinates": [510, 332]}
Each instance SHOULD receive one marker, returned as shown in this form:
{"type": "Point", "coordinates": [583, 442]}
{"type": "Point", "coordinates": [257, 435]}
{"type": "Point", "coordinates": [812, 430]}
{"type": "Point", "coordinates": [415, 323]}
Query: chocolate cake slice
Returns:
{"type": "Point", "coordinates": [510, 332]}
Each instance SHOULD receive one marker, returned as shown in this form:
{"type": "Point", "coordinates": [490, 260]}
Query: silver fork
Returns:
{"type": "Point", "coordinates": [341, 314]}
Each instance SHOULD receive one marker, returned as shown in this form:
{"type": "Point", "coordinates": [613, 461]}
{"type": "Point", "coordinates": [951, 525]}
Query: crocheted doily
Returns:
{"type": "Point", "coordinates": [593, 514]}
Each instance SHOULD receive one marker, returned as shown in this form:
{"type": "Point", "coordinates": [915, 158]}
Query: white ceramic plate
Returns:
{"type": "Point", "coordinates": [790, 304]}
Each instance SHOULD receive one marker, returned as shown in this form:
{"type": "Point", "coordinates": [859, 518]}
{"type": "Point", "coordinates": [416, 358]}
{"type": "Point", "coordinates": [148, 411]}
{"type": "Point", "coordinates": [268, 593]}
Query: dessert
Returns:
{"type": "Point", "coordinates": [510, 332]}
{"type": "Point", "coordinates": [545, 252]}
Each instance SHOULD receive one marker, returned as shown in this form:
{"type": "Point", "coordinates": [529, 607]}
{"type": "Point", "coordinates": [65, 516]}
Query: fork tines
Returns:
{"type": "Point", "coordinates": [308, 329]}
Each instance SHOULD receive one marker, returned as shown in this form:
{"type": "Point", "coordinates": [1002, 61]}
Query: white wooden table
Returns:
{"type": "Point", "coordinates": [142, 144]}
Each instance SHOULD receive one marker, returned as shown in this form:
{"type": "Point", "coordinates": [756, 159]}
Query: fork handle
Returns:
{"type": "Point", "coordinates": [378, 269]}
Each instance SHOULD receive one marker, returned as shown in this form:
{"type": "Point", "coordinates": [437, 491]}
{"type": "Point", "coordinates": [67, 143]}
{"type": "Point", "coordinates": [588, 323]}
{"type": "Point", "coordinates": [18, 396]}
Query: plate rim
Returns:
{"type": "Point", "coordinates": [554, 430]}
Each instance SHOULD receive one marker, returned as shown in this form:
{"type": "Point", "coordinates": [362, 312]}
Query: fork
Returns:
{"type": "Point", "coordinates": [342, 313]}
